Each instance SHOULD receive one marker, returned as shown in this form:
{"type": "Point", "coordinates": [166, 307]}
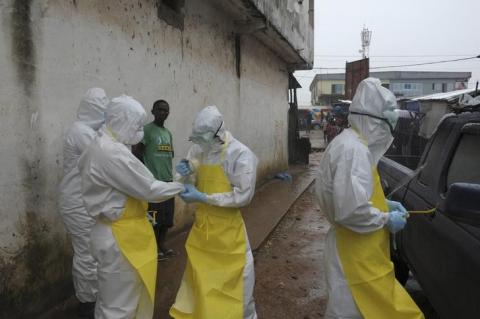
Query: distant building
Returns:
{"type": "Point", "coordinates": [328, 88]}
{"type": "Point", "coordinates": [434, 106]}
{"type": "Point", "coordinates": [419, 118]}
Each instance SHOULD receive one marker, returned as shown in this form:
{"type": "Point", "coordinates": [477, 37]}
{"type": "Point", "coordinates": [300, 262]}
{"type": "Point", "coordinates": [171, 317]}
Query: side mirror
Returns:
{"type": "Point", "coordinates": [463, 203]}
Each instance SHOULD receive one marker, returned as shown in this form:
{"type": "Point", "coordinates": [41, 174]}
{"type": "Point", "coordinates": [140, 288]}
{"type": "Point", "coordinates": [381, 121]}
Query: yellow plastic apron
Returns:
{"type": "Point", "coordinates": [365, 260]}
{"type": "Point", "coordinates": [212, 285]}
{"type": "Point", "coordinates": [134, 235]}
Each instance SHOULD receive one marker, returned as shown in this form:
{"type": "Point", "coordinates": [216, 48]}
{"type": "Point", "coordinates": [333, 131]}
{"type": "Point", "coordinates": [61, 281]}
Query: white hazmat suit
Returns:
{"type": "Point", "coordinates": [78, 222]}
{"type": "Point", "coordinates": [240, 163]}
{"type": "Point", "coordinates": [344, 189]}
{"type": "Point", "coordinates": [111, 174]}
{"type": "Point", "coordinates": [205, 295]}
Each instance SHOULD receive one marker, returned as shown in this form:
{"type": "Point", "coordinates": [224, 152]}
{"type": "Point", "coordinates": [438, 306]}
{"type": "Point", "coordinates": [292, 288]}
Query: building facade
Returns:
{"type": "Point", "coordinates": [236, 54]}
{"type": "Point", "coordinates": [328, 88]}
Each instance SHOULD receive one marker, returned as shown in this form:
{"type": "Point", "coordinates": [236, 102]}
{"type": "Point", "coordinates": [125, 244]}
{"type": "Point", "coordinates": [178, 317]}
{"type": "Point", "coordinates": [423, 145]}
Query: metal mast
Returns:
{"type": "Point", "coordinates": [366, 36]}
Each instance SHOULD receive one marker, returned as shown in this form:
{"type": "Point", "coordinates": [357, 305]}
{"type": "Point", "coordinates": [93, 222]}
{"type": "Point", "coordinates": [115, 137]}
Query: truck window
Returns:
{"type": "Point", "coordinates": [430, 171]}
{"type": "Point", "coordinates": [464, 166]}
{"type": "Point", "coordinates": [408, 146]}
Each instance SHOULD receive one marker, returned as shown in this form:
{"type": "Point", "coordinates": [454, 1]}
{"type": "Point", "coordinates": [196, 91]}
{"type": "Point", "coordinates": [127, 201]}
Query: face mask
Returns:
{"type": "Point", "coordinates": [137, 138]}
{"type": "Point", "coordinates": [392, 118]}
{"type": "Point", "coordinates": [207, 138]}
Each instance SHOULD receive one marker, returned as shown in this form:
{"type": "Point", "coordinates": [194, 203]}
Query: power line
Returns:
{"type": "Point", "coordinates": [413, 60]}
{"type": "Point", "coordinates": [405, 65]}
{"type": "Point", "coordinates": [393, 56]}
{"type": "Point", "coordinates": [426, 63]}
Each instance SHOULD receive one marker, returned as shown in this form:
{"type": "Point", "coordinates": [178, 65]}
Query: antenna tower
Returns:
{"type": "Point", "coordinates": [366, 37]}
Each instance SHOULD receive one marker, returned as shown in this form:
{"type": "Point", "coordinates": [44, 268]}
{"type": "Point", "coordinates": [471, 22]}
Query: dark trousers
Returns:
{"type": "Point", "coordinates": [163, 214]}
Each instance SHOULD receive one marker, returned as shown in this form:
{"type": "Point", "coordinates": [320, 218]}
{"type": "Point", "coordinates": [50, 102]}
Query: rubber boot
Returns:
{"type": "Point", "coordinates": [86, 310]}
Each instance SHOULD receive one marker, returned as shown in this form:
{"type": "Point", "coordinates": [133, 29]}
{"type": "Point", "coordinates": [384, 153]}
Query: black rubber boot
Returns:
{"type": "Point", "coordinates": [86, 310]}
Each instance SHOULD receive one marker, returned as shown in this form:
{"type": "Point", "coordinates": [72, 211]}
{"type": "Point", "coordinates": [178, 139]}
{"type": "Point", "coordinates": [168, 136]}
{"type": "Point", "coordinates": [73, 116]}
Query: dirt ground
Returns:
{"type": "Point", "coordinates": [289, 266]}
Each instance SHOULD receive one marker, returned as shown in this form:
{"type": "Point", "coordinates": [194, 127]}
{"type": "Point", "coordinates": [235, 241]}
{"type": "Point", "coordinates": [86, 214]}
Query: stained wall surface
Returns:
{"type": "Point", "coordinates": [52, 51]}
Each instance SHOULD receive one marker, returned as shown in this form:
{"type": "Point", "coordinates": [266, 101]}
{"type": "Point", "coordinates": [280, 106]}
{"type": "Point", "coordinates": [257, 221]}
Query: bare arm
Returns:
{"type": "Point", "coordinates": [138, 150]}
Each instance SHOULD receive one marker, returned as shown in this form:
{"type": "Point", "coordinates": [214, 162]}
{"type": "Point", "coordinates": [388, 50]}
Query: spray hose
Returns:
{"type": "Point", "coordinates": [429, 211]}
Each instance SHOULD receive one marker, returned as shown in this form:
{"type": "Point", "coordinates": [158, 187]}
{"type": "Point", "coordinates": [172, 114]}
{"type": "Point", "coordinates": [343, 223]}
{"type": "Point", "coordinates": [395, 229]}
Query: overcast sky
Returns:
{"type": "Point", "coordinates": [404, 32]}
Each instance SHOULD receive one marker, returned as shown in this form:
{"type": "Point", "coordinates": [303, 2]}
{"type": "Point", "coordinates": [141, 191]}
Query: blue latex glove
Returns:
{"type": "Point", "coordinates": [393, 205]}
{"type": "Point", "coordinates": [396, 221]}
{"type": "Point", "coordinates": [191, 195]}
{"type": "Point", "coordinates": [183, 168]}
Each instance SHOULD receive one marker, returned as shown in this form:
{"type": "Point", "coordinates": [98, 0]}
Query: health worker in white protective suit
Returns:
{"type": "Point", "coordinates": [90, 116]}
{"type": "Point", "coordinates": [360, 277]}
{"type": "Point", "coordinates": [116, 187]}
{"type": "Point", "coordinates": [219, 277]}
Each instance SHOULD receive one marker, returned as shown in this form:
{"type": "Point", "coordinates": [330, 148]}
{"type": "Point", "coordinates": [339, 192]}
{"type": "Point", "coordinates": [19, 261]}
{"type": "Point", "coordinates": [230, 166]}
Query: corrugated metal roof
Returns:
{"type": "Point", "coordinates": [446, 96]}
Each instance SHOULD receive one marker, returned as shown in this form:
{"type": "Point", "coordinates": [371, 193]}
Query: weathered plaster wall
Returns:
{"type": "Point", "coordinates": [52, 51]}
{"type": "Point", "coordinates": [34, 256]}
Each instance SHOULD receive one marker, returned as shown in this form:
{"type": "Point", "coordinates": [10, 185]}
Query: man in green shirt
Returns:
{"type": "Point", "coordinates": [156, 152]}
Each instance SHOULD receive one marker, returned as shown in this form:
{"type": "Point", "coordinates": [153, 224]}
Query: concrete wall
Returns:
{"type": "Point", "coordinates": [434, 112]}
{"type": "Point", "coordinates": [294, 20]}
{"type": "Point", "coordinates": [52, 51]}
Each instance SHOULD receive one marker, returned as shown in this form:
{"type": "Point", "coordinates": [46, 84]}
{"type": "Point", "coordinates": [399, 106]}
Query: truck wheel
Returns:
{"type": "Point", "coordinates": [401, 270]}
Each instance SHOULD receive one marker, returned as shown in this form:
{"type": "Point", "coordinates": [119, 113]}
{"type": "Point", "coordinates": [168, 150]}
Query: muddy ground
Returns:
{"type": "Point", "coordinates": [289, 266]}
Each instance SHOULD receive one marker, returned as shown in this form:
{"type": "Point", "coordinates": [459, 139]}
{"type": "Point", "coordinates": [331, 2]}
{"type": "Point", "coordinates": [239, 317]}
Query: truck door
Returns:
{"type": "Point", "coordinates": [444, 252]}
{"type": "Point", "coordinates": [461, 240]}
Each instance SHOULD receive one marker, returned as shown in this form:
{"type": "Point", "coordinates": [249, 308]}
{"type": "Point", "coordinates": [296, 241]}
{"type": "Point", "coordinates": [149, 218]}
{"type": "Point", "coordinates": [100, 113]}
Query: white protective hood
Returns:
{"type": "Point", "coordinates": [91, 110]}
{"type": "Point", "coordinates": [210, 120]}
{"type": "Point", "coordinates": [124, 120]}
{"type": "Point", "coordinates": [372, 98]}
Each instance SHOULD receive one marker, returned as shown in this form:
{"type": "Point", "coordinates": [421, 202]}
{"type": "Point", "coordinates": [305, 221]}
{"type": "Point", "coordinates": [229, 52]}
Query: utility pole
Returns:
{"type": "Point", "coordinates": [366, 37]}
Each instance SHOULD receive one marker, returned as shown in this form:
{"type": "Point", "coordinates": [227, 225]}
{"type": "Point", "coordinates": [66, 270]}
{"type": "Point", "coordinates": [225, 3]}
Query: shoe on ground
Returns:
{"type": "Point", "coordinates": [169, 252]}
{"type": "Point", "coordinates": [162, 257]}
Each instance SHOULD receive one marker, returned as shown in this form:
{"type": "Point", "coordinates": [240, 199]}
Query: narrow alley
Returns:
{"type": "Point", "coordinates": [289, 266]}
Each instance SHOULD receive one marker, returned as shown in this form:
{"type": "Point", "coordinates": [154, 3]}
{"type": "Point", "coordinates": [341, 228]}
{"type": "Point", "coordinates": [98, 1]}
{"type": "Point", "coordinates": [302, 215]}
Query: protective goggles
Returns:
{"type": "Point", "coordinates": [392, 123]}
{"type": "Point", "coordinates": [207, 137]}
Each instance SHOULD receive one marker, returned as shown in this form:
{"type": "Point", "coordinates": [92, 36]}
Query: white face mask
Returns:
{"type": "Point", "coordinates": [136, 138]}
